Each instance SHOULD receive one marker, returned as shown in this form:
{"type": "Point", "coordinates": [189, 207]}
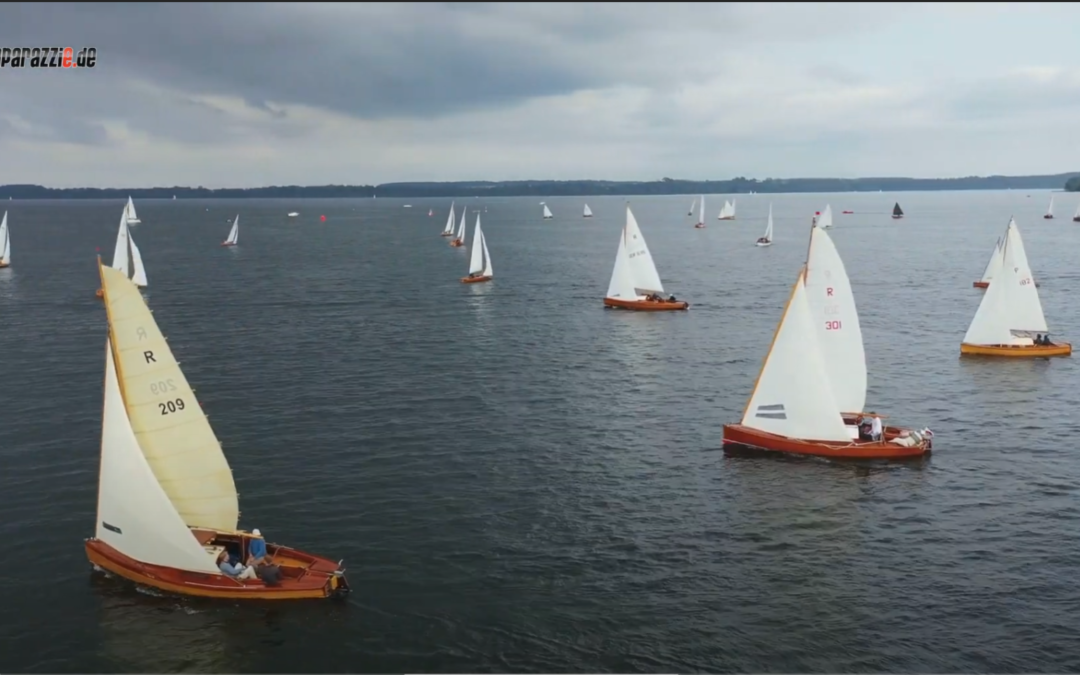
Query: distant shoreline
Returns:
{"type": "Point", "coordinates": [552, 188]}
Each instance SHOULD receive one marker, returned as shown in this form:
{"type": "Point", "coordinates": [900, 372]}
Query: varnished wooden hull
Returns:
{"type": "Point", "coordinates": [456, 243]}
{"type": "Point", "coordinates": [1017, 352]}
{"type": "Point", "coordinates": [645, 305]}
{"type": "Point", "coordinates": [304, 576]}
{"type": "Point", "coordinates": [4, 264]}
{"type": "Point", "coordinates": [980, 284]}
{"type": "Point", "coordinates": [99, 294]}
{"type": "Point", "coordinates": [739, 435]}
{"type": "Point", "coordinates": [474, 280]}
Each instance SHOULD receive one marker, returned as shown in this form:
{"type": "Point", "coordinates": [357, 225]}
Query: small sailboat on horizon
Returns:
{"type": "Point", "coordinates": [1076, 216]}
{"type": "Point", "coordinates": [1010, 321]}
{"type": "Point", "coordinates": [727, 211]}
{"type": "Point", "coordinates": [700, 224]}
{"type": "Point", "coordinates": [767, 238]}
{"type": "Point", "coordinates": [897, 212]}
{"type": "Point", "coordinates": [635, 283]}
{"type": "Point", "coordinates": [126, 257]}
{"type": "Point", "coordinates": [588, 212]}
{"type": "Point", "coordinates": [234, 233]}
{"type": "Point", "coordinates": [480, 269]}
{"type": "Point", "coordinates": [129, 213]}
{"type": "Point", "coordinates": [547, 213]}
{"type": "Point", "coordinates": [1050, 209]}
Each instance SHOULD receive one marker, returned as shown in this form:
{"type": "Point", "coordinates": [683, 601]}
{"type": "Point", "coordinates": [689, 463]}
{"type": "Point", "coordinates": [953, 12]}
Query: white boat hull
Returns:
{"type": "Point", "coordinates": [761, 243]}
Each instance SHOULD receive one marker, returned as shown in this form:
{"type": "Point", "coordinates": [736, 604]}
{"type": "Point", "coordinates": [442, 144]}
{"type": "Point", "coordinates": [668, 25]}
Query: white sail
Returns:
{"type": "Point", "coordinates": [120, 251]}
{"type": "Point", "coordinates": [234, 233]}
{"type": "Point", "coordinates": [701, 211]}
{"type": "Point", "coordinates": [993, 266]}
{"type": "Point", "coordinates": [489, 271]}
{"type": "Point", "coordinates": [1076, 216]}
{"type": "Point", "coordinates": [1050, 208]}
{"type": "Point", "coordinates": [825, 219]}
{"type": "Point", "coordinates": [461, 228]}
{"type": "Point", "coordinates": [692, 205]}
{"type": "Point", "coordinates": [547, 212]}
{"type": "Point", "coordinates": [476, 256]}
{"type": "Point", "coordinates": [129, 213]}
{"type": "Point", "coordinates": [727, 211]}
{"type": "Point", "coordinates": [769, 227]}
{"type": "Point", "coordinates": [832, 306]}
{"type": "Point", "coordinates": [621, 285]}
{"type": "Point", "coordinates": [134, 515]}
{"type": "Point", "coordinates": [793, 396]}
{"type": "Point", "coordinates": [588, 212]}
{"type": "Point", "coordinates": [138, 270]}
{"type": "Point", "coordinates": [169, 424]}
{"type": "Point", "coordinates": [642, 268]}
{"type": "Point", "coordinates": [5, 242]}
{"type": "Point", "coordinates": [1011, 302]}
{"type": "Point", "coordinates": [449, 229]}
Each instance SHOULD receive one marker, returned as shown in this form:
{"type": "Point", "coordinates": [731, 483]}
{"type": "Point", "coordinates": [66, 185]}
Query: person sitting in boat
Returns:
{"type": "Point", "coordinates": [257, 549]}
{"type": "Point", "coordinates": [763, 240]}
{"type": "Point", "coordinates": [864, 431]}
{"type": "Point", "coordinates": [671, 299]}
{"type": "Point", "coordinates": [236, 571]}
{"type": "Point", "coordinates": [875, 428]}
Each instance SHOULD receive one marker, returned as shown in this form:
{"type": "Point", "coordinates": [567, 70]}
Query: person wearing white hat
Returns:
{"type": "Point", "coordinates": [256, 549]}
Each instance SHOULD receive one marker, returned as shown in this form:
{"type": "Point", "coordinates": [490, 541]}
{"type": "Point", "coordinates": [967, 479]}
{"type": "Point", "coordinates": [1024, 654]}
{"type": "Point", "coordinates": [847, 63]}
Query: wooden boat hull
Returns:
{"type": "Point", "coordinates": [456, 243]}
{"type": "Point", "coordinates": [980, 284]}
{"type": "Point", "coordinates": [4, 264]}
{"type": "Point", "coordinates": [739, 435]}
{"type": "Point", "coordinates": [1017, 352]}
{"type": "Point", "coordinates": [99, 294]}
{"type": "Point", "coordinates": [645, 305]}
{"type": "Point", "coordinates": [304, 576]}
{"type": "Point", "coordinates": [474, 280]}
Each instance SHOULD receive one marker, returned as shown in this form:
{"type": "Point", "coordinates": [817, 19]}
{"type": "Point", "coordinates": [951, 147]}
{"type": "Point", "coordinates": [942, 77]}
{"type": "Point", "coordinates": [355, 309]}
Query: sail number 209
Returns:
{"type": "Point", "coordinates": [833, 325]}
{"type": "Point", "coordinates": [171, 406]}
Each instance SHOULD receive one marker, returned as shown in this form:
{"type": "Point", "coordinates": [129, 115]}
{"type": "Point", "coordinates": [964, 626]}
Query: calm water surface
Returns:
{"type": "Point", "coordinates": [522, 481]}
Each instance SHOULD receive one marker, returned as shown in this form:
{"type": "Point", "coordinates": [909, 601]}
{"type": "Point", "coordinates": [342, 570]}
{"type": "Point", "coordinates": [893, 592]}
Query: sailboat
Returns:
{"type": "Point", "coordinates": [480, 260]}
{"type": "Point", "coordinates": [126, 256]}
{"type": "Point", "coordinates": [234, 233]}
{"type": "Point", "coordinates": [588, 212]}
{"type": "Point", "coordinates": [635, 283]}
{"type": "Point", "coordinates": [167, 504]}
{"type": "Point", "coordinates": [129, 213]}
{"type": "Point", "coordinates": [1076, 216]}
{"type": "Point", "coordinates": [993, 266]}
{"type": "Point", "coordinates": [459, 238]}
{"type": "Point", "coordinates": [448, 231]}
{"type": "Point", "coordinates": [766, 239]}
{"type": "Point", "coordinates": [824, 221]}
{"type": "Point", "coordinates": [727, 212]}
{"type": "Point", "coordinates": [547, 213]}
{"type": "Point", "coordinates": [5, 243]}
{"type": "Point", "coordinates": [1010, 321]}
{"type": "Point", "coordinates": [897, 212]}
{"type": "Point", "coordinates": [700, 224]}
{"type": "Point", "coordinates": [1050, 209]}
{"type": "Point", "coordinates": [811, 389]}
{"type": "Point", "coordinates": [430, 212]}
{"type": "Point", "coordinates": [692, 205]}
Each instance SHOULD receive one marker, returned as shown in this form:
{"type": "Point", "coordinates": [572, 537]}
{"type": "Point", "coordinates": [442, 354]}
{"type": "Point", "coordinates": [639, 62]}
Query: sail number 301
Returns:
{"type": "Point", "coordinates": [833, 325]}
{"type": "Point", "coordinates": [171, 406]}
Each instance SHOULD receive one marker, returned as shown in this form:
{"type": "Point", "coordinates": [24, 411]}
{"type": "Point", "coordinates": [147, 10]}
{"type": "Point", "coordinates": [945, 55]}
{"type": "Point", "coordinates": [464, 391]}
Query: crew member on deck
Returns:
{"type": "Point", "coordinates": [875, 428]}
{"type": "Point", "coordinates": [257, 549]}
{"type": "Point", "coordinates": [236, 571]}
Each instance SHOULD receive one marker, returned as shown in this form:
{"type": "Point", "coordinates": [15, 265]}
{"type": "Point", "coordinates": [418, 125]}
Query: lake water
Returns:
{"type": "Point", "coordinates": [520, 480]}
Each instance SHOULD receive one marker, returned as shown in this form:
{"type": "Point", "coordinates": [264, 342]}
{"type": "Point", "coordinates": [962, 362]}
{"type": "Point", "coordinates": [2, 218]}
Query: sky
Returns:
{"type": "Point", "coordinates": [253, 94]}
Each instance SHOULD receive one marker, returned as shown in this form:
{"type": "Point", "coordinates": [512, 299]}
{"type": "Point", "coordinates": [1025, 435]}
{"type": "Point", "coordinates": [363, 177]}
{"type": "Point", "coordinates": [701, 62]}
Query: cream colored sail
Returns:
{"type": "Point", "coordinates": [134, 515]}
{"type": "Point", "coordinates": [168, 422]}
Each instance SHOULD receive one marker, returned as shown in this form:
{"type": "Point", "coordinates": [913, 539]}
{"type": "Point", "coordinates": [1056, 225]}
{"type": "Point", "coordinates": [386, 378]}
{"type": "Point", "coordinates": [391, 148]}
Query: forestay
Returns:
{"type": "Point", "coordinates": [793, 396]}
{"type": "Point", "coordinates": [134, 515]}
{"type": "Point", "coordinates": [1011, 302]}
{"type": "Point", "coordinates": [476, 257]}
{"type": "Point", "coordinates": [836, 319]}
{"type": "Point", "coordinates": [642, 268]}
{"type": "Point", "coordinates": [621, 285]}
{"type": "Point", "coordinates": [173, 433]}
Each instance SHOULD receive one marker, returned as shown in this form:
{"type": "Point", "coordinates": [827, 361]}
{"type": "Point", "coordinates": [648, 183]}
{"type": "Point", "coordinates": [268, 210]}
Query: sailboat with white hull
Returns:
{"type": "Point", "coordinates": [766, 239]}
{"type": "Point", "coordinates": [700, 224]}
{"type": "Point", "coordinates": [129, 213]}
{"type": "Point", "coordinates": [727, 211]}
{"type": "Point", "coordinates": [635, 283]}
{"type": "Point", "coordinates": [480, 269]}
{"type": "Point", "coordinates": [167, 511]}
{"type": "Point", "coordinates": [234, 233]}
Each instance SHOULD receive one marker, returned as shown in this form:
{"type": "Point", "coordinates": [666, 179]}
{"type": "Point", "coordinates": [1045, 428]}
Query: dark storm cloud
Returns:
{"type": "Point", "coordinates": [370, 61]}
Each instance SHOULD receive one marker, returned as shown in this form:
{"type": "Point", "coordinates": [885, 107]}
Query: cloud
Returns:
{"type": "Point", "coordinates": [248, 94]}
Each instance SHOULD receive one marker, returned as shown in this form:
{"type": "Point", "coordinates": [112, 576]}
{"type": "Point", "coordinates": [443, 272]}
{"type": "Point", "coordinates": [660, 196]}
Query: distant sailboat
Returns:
{"type": "Point", "coordinates": [766, 239]}
{"type": "Point", "coordinates": [459, 239]}
{"type": "Point", "coordinates": [430, 212]}
{"type": "Point", "coordinates": [5, 243]}
{"type": "Point", "coordinates": [825, 220]}
{"type": "Point", "coordinates": [588, 212]}
{"type": "Point", "coordinates": [547, 213]}
{"type": "Point", "coordinates": [1050, 209]}
{"type": "Point", "coordinates": [234, 233]}
{"type": "Point", "coordinates": [1076, 216]}
{"type": "Point", "coordinates": [993, 266]}
{"type": "Point", "coordinates": [129, 213]}
{"type": "Point", "coordinates": [293, 214]}
{"type": "Point", "coordinates": [480, 260]}
{"type": "Point", "coordinates": [126, 256]}
{"type": "Point", "coordinates": [635, 283]}
{"type": "Point", "coordinates": [448, 231]}
{"type": "Point", "coordinates": [728, 211]}
{"type": "Point", "coordinates": [692, 205]}
{"type": "Point", "coordinates": [897, 212]}
{"type": "Point", "coordinates": [700, 224]}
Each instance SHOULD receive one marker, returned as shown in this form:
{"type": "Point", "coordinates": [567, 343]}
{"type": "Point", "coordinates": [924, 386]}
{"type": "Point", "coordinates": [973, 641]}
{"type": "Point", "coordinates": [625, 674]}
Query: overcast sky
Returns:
{"type": "Point", "coordinates": [312, 93]}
